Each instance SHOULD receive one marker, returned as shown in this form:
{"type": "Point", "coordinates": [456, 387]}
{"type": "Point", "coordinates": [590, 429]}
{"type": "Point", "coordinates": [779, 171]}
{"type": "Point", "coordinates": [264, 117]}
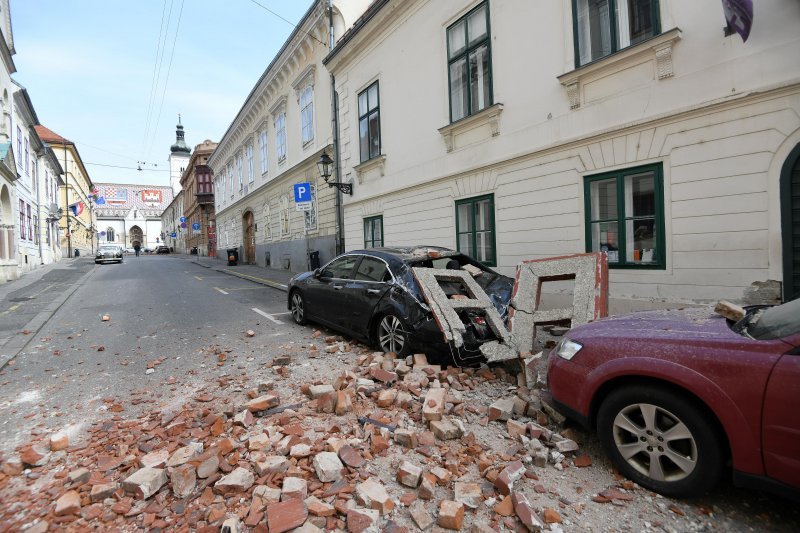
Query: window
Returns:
{"type": "Point", "coordinates": [373, 232]}
{"type": "Point", "coordinates": [110, 234]}
{"type": "Point", "coordinates": [48, 233]}
{"type": "Point", "coordinates": [475, 228]}
{"type": "Point", "coordinates": [310, 216]}
{"type": "Point", "coordinates": [30, 225]}
{"type": "Point", "coordinates": [603, 27]}
{"type": "Point", "coordinates": [27, 157]}
{"type": "Point", "coordinates": [469, 63]}
{"type": "Point", "coordinates": [262, 148]}
{"type": "Point", "coordinates": [280, 136]}
{"type": "Point", "coordinates": [239, 171]}
{"type": "Point", "coordinates": [47, 183]}
{"type": "Point", "coordinates": [372, 269]}
{"type": "Point", "coordinates": [341, 268]}
{"type": "Point", "coordinates": [19, 147]}
{"type": "Point", "coordinates": [250, 175]}
{"type": "Point", "coordinates": [307, 114]}
{"type": "Point", "coordinates": [230, 178]}
{"type": "Point", "coordinates": [35, 229]}
{"type": "Point", "coordinates": [369, 123]}
{"type": "Point", "coordinates": [22, 232]}
{"type": "Point", "coordinates": [625, 217]}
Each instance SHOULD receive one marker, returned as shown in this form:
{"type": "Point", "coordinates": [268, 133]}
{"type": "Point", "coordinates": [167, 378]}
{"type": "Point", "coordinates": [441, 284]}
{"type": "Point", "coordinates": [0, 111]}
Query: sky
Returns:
{"type": "Point", "coordinates": [91, 68]}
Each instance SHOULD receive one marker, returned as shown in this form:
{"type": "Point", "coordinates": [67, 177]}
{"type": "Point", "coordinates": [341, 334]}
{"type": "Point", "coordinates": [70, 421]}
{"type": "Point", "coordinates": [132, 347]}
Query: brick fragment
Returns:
{"type": "Point", "coordinates": [373, 495]}
{"type": "Point", "coordinates": [145, 482]}
{"type": "Point", "coordinates": [272, 464]}
{"type": "Point", "coordinates": [286, 515]}
{"type": "Point", "coordinates": [451, 515]}
{"type": "Point", "coordinates": [351, 457]}
{"type": "Point", "coordinates": [360, 520]}
{"type": "Point", "coordinates": [551, 516]}
{"type": "Point", "coordinates": [294, 488]}
{"type": "Point", "coordinates": [315, 391]}
{"type": "Point", "coordinates": [510, 474]}
{"type": "Point", "coordinates": [501, 409]}
{"type": "Point", "coordinates": [524, 511]}
{"type": "Point", "coordinates": [446, 429]}
{"type": "Point", "coordinates": [102, 491]}
{"type": "Point", "coordinates": [328, 466]}
{"type": "Point", "coordinates": [262, 403]}
{"type": "Point", "coordinates": [469, 494]}
{"type": "Point", "coordinates": [409, 474]}
{"type": "Point", "coordinates": [183, 480]}
{"type": "Point", "coordinates": [68, 504]}
{"type": "Point", "coordinates": [406, 438]}
{"type": "Point", "coordinates": [433, 405]}
{"type": "Point", "coordinates": [421, 516]}
{"type": "Point", "coordinates": [344, 404]}
{"type": "Point", "coordinates": [184, 454]}
{"type": "Point", "coordinates": [318, 507]}
{"type": "Point", "coordinates": [239, 480]}
{"type": "Point", "coordinates": [59, 442]}
{"type": "Point", "coordinates": [78, 476]}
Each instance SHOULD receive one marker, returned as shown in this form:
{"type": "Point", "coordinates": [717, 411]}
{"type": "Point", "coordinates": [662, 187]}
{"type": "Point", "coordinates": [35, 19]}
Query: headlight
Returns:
{"type": "Point", "coordinates": [567, 348]}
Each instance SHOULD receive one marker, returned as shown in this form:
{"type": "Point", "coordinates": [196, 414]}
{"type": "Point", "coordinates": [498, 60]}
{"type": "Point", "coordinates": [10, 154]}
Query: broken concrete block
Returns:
{"type": "Point", "coordinates": [409, 474]}
{"type": "Point", "coordinates": [258, 442]}
{"type": "Point", "coordinates": [244, 419]}
{"type": "Point", "coordinates": [469, 494]}
{"type": "Point", "coordinates": [433, 406]}
{"type": "Point", "coordinates": [208, 467]}
{"type": "Point", "coordinates": [233, 524]}
{"type": "Point", "coordinates": [145, 482]}
{"type": "Point", "coordinates": [328, 466]}
{"type": "Point", "coordinates": [566, 446]}
{"type": "Point", "coordinates": [501, 409]}
{"type": "Point", "coordinates": [451, 515]}
{"type": "Point", "coordinates": [183, 455]}
{"type": "Point", "coordinates": [294, 488]}
{"type": "Point", "coordinates": [183, 480]}
{"type": "Point", "coordinates": [386, 398]}
{"type": "Point", "coordinates": [447, 429]}
{"type": "Point", "coordinates": [156, 459]}
{"type": "Point", "coordinates": [318, 507]}
{"type": "Point", "coordinates": [272, 464]}
{"type": "Point", "coordinates": [239, 480]}
{"type": "Point", "coordinates": [405, 438]}
{"type": "Point", "coordinates": [78, 476]}
{"type": "Point", "coordinates": [372, 494]}
{"type": "Point", "coordinates": [315, 391]}
{"type": "Point", "coordinates": [102, 491]}
{"type": "Point", "coordinates": [267, 494]}
{"type": "Point", "coordinates": [300, 450]}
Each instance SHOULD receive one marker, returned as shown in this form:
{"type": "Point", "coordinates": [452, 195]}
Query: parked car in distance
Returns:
{"type": "Point", "coordinates": [108, 253]}
{"type": "Point", "coordinates": [162, 250]}
{"type": "Point", "coordinates": [130, 251]}
{"type": "Point", "coordinates": [373, 296]}
{"type": "Point", "coordinates": [675, 395]}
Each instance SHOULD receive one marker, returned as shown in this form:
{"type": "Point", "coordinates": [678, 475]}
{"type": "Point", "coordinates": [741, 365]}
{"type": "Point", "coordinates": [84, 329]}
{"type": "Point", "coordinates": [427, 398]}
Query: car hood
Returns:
{"type": "Point", "coordinates": [677, 325]}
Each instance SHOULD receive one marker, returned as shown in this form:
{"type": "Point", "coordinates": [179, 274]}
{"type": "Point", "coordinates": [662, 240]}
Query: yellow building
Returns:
{"type": "Point", "coordinates": [77, 228]}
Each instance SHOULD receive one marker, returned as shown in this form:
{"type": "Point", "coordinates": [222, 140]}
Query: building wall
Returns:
{"type": "Point", "coordinates": [719, 115]}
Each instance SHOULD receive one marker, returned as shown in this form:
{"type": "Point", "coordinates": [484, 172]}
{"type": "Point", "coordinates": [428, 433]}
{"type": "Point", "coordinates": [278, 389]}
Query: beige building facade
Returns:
{"type": "Point", "coordinates": [652, 133]}
{"type": "Point", "coordinates": [198, 204]}
{"type": "Point", "coordinates": [273, 143]}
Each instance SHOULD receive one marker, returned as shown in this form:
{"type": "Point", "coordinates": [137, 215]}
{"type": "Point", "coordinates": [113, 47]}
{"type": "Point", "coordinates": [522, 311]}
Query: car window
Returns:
{"type": "Point", "coordinates": [372, 269]}
{"type": "Point", "coordinates": [341, 268]}
{"type": "Point", "coordinates": [776, 322]}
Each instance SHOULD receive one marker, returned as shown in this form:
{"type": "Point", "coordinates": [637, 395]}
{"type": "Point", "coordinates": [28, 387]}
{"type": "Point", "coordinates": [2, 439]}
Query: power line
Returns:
{"type": "Point", "coordinates": [129, 168]}
{"type": "Point", "coordinates": [292, 24]}
{"type": "Point", "coordinates": [162, 39]}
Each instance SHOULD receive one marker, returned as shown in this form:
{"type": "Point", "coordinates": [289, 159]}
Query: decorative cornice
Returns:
{"type": "Point", "coordinates": [304, 79]}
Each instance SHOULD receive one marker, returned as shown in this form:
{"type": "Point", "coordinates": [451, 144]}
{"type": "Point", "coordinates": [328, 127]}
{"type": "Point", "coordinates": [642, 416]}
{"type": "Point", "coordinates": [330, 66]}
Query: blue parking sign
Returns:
{"type": "Point", "coordinates": [302, 192]}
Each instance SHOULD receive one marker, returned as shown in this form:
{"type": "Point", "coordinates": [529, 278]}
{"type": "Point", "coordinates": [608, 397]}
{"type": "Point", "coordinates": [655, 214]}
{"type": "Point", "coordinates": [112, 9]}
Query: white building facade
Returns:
{"type": "Point", "coordinates": [522, 130]}
{"type": "Point", "coordinates": [131, 214]}
{"type": "Point", "coordinates": [175, 230]}
{"type": "Point", "coordinates": [274, 143]}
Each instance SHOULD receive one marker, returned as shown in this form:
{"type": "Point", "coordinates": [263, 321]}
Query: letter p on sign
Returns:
{"type": "Point", "coordinates": [302, 192]}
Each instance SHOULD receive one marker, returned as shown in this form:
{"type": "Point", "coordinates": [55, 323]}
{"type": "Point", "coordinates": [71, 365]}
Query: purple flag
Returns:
{"type": "Point", "coordinates": [739, 14]}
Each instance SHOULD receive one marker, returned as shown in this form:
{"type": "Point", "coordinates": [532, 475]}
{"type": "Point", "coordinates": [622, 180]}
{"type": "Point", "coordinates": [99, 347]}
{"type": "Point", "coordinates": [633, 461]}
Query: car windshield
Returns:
{"type": "Point", "coordinates": [775, 322]}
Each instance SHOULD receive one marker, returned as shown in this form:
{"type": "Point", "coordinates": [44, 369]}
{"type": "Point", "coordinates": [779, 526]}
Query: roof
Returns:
{"type": "Point", "coordinates": [49, 136]}
{"type": "Point", "coordinates": [129, 196]}
{"type": "Point", "coordinates": [411, 253]}
{"type": "Point", "coordinates": [362, 21]}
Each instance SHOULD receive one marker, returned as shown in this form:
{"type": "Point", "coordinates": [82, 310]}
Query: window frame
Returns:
{"type": "Point", "coordinates": [250, 167]}
{"type": "Point", "coordinates": [30, 222]}
{"type": "Point", "coordinates": [466, 53]}
{"type": "Point", "coordinates": [22, 228]}
{"type": "Point", "coordinates": [655, 8]}
{"type": "Point", "coordinates": [472, 201]}
{"type": "Point", "coordinates": [659, 215]}
{"type": "Point", "coordinates": [370, 220]}
{"type": "Point", "coordinates": [263, 143]}
{"type": "Point", "coordinates": [306, 114]}
{"type": "Point", "coordinates": [365, 117]}
{"type": "Point", "coordinates": [240, 171]}
{"type": "Point", "coordinates": [280, 137]}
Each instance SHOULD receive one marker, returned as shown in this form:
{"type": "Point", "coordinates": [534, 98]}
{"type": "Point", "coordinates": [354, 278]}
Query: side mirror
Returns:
{"type": "Point", "coordinates": [316, 273]}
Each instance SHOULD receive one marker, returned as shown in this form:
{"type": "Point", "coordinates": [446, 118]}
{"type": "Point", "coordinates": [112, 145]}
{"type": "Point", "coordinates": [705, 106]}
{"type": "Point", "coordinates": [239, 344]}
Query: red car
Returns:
{"type": "Point", "coordinates": [678, 396]}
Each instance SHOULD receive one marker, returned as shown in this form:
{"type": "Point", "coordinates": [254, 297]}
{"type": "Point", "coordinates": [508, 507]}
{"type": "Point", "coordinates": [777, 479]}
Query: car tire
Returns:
{"type": "Point", "coordinates": [391, 335]}
{"type": "Point", "coordinates": [298, 307]}
{"type": "Point", "coordinates": [640, 424]}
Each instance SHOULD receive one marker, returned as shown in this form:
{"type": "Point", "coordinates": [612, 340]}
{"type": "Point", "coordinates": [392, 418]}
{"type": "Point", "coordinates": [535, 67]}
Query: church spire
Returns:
{"type": "Point", "coordinates": [180, 143]}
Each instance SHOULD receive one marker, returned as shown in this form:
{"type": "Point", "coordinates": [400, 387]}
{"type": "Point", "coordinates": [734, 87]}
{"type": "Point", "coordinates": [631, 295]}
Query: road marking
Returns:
{"type": "Point", "coordinates": [198, 278]}
{"type": "Point", "coordinates": [284, 313]}
{"type": "Point", "coordinates": [220, 290]}
{"type": "Point", "coordinates": [267, 315]}
{"type": "Point", "coordinates": [10, 309]}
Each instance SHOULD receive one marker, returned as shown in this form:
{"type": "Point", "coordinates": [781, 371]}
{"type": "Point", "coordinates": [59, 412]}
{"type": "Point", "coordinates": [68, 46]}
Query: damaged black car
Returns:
{"type": "Point", "coordinates": [373, 296]}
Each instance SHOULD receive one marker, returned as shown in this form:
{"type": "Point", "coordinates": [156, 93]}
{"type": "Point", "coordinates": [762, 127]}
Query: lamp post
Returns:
{"type": "Point", "coordinates": [325, 165]}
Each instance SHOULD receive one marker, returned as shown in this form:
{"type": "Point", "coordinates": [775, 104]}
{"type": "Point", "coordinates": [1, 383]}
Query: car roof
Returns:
{"type": "Point", "coordinates": [408, 253]}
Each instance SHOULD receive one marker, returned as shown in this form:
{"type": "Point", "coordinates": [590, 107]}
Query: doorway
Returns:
{"type": "Point", "coordinates": [136, 236]}
{"type": "Point", "coordinates": [790, 224]}
{"type": "Point", "coordinates": [249, 238]}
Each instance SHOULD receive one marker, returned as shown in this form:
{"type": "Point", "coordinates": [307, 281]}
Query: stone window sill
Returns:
{"type": "Point", "coordinates": [487, 117]}
{"type": "Point", "coordinates": [657, 48]}
{"type": "Point", "coordinates": [377, 162]}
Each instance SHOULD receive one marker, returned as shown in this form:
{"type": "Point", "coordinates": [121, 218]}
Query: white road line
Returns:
{"type": "Point", "coordinates": [267, 316]}
{"type": "Point", "coordinates": [220, 290]}
{"type": "Point", "coordinates": [280, 314]}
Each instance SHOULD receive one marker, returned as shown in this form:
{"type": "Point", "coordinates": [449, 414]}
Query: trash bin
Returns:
{"type": "Point", "coordinates": [233, 256]}
{"type": "Point", "coordinates": [313, 260]}
{"type": "Point", "coordinates": [194, 250]}
{"type": "Point", "coordinates": [77, 253]}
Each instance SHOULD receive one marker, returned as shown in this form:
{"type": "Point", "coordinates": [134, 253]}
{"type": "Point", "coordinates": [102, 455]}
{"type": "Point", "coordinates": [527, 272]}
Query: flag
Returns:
{"type": "Point", "coordinates": [739, 14]}
{"type": "Point", "coordinates": [100, 200]}
{"type": "Point", "coordinates": [115, 195]}
{"type": "Point", "coordinates": [76, 209]}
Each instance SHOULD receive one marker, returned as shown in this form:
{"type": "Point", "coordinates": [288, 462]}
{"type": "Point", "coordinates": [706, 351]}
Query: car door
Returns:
{"type": "Point", "coordinates": [326, 301]}
{"type": "Point", "coordinates": [371, 281]}
{"type": "Point", "coordinates": [781, 418]}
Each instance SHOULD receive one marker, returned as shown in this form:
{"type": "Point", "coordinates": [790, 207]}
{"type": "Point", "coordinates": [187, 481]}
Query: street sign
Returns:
{"type": "Point", "coordinates": [183, 224]}
{"type": "Point", "coordinates": [302, 193]}
{"type": "Point", "coordinates": [196, 226]}
{"type": "Point", "coordinates": [173, 234]}
{"type": "Point", "coordinates": [183, 219]}
{"type": "Point", "coordinates": [304, 206]}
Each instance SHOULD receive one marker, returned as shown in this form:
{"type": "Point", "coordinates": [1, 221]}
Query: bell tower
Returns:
{"type": "Point", "coordinates": [178, 158]}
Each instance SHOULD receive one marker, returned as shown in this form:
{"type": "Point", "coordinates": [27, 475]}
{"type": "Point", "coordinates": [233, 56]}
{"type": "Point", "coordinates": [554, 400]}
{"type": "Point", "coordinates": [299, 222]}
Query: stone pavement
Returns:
{"type": "Point", "coordinates": [272, 277]}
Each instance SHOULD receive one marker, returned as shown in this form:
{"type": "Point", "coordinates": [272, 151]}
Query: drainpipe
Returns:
{"type": "Point", "coordinates": [335, 126]}
{"type": "Point", "coordinates": [66, 199]}
{"type": "Point", "coordinates": [38, 210]}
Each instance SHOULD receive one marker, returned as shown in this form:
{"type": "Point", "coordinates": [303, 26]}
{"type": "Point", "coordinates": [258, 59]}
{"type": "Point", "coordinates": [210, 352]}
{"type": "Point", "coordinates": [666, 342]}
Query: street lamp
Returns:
{"type": "Point", "coordinates": [325, 165]}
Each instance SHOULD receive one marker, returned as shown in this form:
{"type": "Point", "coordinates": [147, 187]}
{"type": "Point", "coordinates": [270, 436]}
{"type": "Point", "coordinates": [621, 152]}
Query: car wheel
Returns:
{"type": "Point", "coordinates": [660, 440]}
{"type": "Point", "coordinates": [298, 308]}
{"type": "Point", "coordinates": [392, 335]}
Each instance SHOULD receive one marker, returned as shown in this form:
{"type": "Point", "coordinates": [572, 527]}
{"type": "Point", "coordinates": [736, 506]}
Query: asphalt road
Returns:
{"type": "Point", "coordinates": [163, 310]}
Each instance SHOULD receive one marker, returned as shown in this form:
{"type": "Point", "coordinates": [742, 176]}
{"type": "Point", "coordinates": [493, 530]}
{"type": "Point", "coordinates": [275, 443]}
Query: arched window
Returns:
{"type": "Point", "coordinates": [110, 234]}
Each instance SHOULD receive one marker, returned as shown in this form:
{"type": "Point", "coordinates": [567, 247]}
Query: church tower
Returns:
{"type": "Point", "coordinates": [178, 158]}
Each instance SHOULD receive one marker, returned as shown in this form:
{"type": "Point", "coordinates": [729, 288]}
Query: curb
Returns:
{"type": "Point", "coordinates": [255, 279]}
{"type": "Point", "coordinates": [17, 343]}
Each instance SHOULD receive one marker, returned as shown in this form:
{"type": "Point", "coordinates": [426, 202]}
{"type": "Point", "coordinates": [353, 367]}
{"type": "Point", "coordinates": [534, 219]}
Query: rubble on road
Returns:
{"type": "Point", "coordinates": [386, 444]}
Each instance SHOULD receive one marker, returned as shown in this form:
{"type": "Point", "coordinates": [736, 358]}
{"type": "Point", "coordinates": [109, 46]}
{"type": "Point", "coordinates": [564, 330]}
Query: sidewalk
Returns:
{"type": "Point", "coordinates": [271, 277]}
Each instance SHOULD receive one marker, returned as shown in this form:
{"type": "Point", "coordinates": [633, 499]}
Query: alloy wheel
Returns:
{"type": "Point", "coordinates": [298, 311]}
{"type": "Point", "coordinates": [391, 334]}
{"type": "Point", "coordinates": [655, 442]}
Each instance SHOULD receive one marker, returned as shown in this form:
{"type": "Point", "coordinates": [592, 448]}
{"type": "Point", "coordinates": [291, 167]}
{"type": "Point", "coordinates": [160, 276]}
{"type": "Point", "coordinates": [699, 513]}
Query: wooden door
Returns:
{"type": "Point", "coordinates": [249, 239]}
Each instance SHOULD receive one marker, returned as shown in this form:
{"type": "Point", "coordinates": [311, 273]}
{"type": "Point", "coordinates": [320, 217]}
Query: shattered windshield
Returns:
{"type": "Point", "coordinates": [775, 322]}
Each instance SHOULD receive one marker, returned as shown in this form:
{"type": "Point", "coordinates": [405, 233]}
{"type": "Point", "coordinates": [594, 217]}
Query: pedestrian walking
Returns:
{"type": "Point", "coordinates": [136, 248]}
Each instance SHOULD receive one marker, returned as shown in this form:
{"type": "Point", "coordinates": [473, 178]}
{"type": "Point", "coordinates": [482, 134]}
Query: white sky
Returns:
{"type": "Point", "coordinates": [90, 67]}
